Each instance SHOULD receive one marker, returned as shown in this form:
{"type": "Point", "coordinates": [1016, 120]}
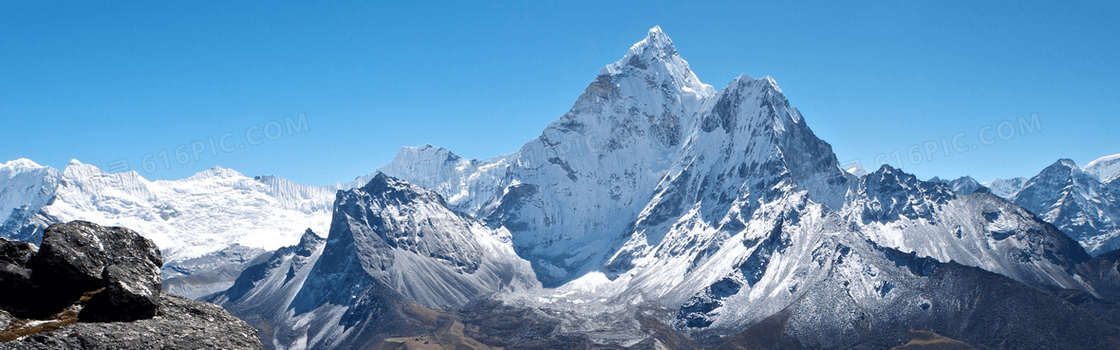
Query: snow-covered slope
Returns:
{"type": "Point", "coordinates": [979, 229]}
{"type": "Point", "coordinates": [1106, 168]}
{"type": "Point", "coordinates": [187, 218]}
{"type": "Point", "coordinates": [468, 185]}
{"type": "Point", "coordinates": [857, 169]}
{"type": "Point", "coordinates": [25, 187]}
{"type": "Point", "coordinates": [1077, 202]}
{"type": "Point", "coordinates": [871, 297]}
{"type": "Point", "coordinates": [391, 243]}
{"type": "Point", "coordinates": [749, 151]}
{"type": "Point", "coordinates": [1082, 202]}
{"type": "Point", "coordinates": [1006, 188]}
{"type": "Point", "coordinates": [404, 236]}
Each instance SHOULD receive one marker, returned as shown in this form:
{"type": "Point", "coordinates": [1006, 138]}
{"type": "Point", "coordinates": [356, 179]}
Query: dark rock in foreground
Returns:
{"type": "Point", "coordinates": [182, 324]}
{"type": "Point", "coordinates": [92, 287]}
{"type": "Point", "coordinates": [15, 277]}
{"type": "Point", "coordinates": [78, 257]}
{"type": "Point", "coordinates": [15, 252]}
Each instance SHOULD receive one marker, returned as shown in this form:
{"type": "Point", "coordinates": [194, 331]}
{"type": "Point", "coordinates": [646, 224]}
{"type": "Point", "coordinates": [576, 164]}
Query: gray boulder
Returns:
{"type": "Point", "coordinates": [130, 294]}
{"type": "Point", "coordinates": [15, 277]}
{"type": "Point", "coordinates": [80, 257]}
{"type": "Point", "coordinates": [16, 252]}
{"type": "Point", "coordinates": [93, 287]}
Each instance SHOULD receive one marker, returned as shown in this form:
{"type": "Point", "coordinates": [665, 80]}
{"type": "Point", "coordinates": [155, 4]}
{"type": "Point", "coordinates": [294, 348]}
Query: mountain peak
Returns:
{"type": "Point", "coordinates": [857, 169]}
{"type": "Point", "coordinates": [1065, 162]}
{"type": "Point", "coordinates": [22, 163]}
{"type": "Point", "coordinates": [656, 44]}
{"type": "Point", "coordinates": [657, 38]}
{"type": "Point", "coordinates": [1106, 168]}
{"type": "Point", "coordinates": [216, 171]}
{"type": "Point", "coordinates": [655, 52]}
{"type": "Point", "coordinates": [78, 169]}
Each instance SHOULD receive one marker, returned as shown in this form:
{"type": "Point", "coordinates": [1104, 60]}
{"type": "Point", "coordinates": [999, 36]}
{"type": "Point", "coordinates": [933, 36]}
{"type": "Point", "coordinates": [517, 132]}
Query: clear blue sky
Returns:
{"type": "Point", "coordinates": [104, 82]}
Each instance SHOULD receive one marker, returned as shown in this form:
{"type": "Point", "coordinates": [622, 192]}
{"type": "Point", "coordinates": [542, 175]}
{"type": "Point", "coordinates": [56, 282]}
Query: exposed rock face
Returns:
{"type": "Point", "coordinates": [16, 252]}
{"type": "Point", "coordinates": [92, 287]}
{"type": "Point", "coordinates": [15, 277]}
{"type": "Point", "coordinates": [79, 257]}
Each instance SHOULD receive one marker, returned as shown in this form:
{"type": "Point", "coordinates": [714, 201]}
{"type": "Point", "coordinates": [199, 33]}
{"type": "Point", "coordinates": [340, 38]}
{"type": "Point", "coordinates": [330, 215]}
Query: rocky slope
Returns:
{"type": "Point", "coordinates": [91, 287]}
{"type": "Point", "coordinates": [876, 301]}
{"type": "Point", "coordinates": [394, 253]}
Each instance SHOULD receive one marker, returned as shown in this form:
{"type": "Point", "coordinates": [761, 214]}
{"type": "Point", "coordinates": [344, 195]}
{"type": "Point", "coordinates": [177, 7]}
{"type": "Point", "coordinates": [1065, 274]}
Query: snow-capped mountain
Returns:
{"type": "Point", "coordinates": [979, 229]}
{"type": "Point", "coordinates": [869, 297]}
{"type": "Point", "coordinates": [567, 195]}
{"type": "Point", "coordinates": [653, 188]}
{"type": "Point", "coordinates": [857, 169]}
{"type": "Point", "coordinates": [25, 187]}
{"type": "Point", "coordinates": [1006, 188]}
{"type": "Point", "coordinates": [213, 219]}
{"type": "Point", "coordinates": [187, 218]}
{"type": "Point", "coordinates": [391, 243]}
{"type": "Point", "coordinates": [826, 284]}
{"type": "Point", "coordinates": [1077, 202]}
{"type": "Point", "coordinates": [654, 193]}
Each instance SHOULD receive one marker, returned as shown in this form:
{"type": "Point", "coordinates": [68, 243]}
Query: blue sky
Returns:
{"type": "Point", "coordinates": [109, 82]}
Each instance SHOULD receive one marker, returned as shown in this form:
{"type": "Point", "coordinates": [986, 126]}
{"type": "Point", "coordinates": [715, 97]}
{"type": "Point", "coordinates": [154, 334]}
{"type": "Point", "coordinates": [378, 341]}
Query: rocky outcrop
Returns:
{"type": "Point", "coordinates": [181, 324]}
{"type": "Point", "coordinates": [15, 277]}
{"type": "Point", "coordinates": [79, 257]}
{"type": "Point", "coordinates": [93, 287]}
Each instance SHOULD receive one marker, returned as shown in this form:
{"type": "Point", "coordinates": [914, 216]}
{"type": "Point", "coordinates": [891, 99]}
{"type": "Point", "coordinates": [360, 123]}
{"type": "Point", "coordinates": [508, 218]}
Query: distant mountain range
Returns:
{"type": "Point", "coordinates": [1082, 202]}
{"type": "Point", "coordinates": [213, 221]}
{"type": "Point", "coordinates": [657, 212]}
